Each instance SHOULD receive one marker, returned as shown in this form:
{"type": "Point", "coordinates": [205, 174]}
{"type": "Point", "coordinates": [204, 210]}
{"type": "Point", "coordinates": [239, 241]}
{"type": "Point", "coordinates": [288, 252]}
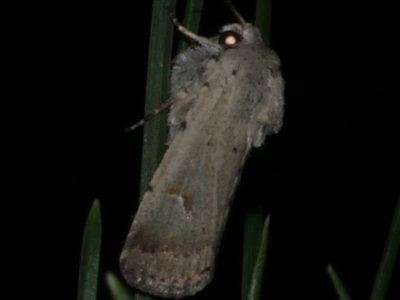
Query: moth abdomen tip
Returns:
{"type": "Point", "coordinates": [168, 280]}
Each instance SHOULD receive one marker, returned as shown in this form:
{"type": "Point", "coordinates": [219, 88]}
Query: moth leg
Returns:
{"type": "Point", "coordinates": [152, 114]}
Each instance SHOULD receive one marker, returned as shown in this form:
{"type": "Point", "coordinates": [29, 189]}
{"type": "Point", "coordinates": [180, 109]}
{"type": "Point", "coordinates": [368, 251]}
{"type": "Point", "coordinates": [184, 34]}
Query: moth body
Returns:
{"type": "Point", "coordinates": [227, 97]}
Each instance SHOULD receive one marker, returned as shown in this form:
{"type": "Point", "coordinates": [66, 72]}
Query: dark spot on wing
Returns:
{"type": "Point", "coordinates": [235, 150]}
{"type": "Point", "coordinates": [234, 72]}
{"type": "Point", "coordinates": [149, 188]}
{"type": "Point", "coordinates": [215, 57]}
{"type": "Point", "coordinates": [206, 84]}
{"type": "Point", "coordinates": [183, 125]}
{"type": "Point", "coordinates": [201, 69]}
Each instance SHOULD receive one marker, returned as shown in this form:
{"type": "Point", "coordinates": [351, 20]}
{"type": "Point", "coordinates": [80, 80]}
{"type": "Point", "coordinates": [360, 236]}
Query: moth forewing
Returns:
{"type": "Point", "coordinates": [229, 97]}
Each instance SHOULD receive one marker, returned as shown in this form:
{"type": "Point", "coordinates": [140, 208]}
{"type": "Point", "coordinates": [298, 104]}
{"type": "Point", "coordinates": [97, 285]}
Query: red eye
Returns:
{"type": "Point", "coordinates": [229, 38]}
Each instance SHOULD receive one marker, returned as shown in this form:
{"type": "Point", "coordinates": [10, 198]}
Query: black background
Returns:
{"type": "Point", "coordinates": [330, 179]}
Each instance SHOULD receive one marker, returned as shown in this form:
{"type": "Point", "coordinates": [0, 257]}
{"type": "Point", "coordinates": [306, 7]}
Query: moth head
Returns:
{"type": "Point", "coordinates": [232, 34]}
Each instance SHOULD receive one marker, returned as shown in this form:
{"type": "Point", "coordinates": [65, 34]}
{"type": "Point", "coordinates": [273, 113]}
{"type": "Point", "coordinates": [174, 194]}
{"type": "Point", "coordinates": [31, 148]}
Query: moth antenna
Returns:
{"type": "Point", "coordinates": [193, 36]}
{"type": "Point", "coordinates": [236, 13]}
{"type": "Point", "coordinates": [152, 114]}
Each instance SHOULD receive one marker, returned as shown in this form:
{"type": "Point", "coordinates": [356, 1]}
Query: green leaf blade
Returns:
{"type": "Point", "coordinates": [253, 223]}
{"type": "Point", "coordinates": [257, 276]}
{"type": "Point", "coordinates": [90, 255]}
{"type": "Point", "coordinates": [337, 284]}
{"type": "Point", "coordinates": [191, 19]}
{"type": "Point", "coordinates": [252, 233]}
{"type": "Point", "coordinates": [159, 59]}
{"type": "Point", "coordinates": [389, 257]}
{"type": "Point", "coordinates": [158, 72]}
{"type": "Point", "coordinates": [117, 290]}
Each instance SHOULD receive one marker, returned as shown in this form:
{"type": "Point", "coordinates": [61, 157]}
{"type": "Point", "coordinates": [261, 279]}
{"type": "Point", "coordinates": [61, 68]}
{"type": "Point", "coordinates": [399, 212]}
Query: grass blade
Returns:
{"type": "Point", "coordinates": [191, 19]}
{"type": "Point", "coordinates": [117, 289]}
{"type": "Point", "coordinates": [255, 287]}
{"type": "Point", "coordinates": [338, 285]}
{"type": "Point", "coordinates": [160, 45]}
{"type": "Point", "coordinates": [263, 19]}
{"type": "Point", "coordinates": [154, 131]}
{"type": "Point", "coordinates": [159, 59]}
{"type": "Point", "coordinates": [254, 219]}
{"type": "Point", "coordinates": [389, 257]}
{"type": "Point", "coordinates": [252, 233]}
{"type": "Point", "coordinates": [90, 254]}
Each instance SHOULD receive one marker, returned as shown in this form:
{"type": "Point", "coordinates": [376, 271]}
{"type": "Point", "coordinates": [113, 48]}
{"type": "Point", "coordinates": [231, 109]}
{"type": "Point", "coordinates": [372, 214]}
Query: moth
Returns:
{"type": "Point", "coordinates": [226, 96]}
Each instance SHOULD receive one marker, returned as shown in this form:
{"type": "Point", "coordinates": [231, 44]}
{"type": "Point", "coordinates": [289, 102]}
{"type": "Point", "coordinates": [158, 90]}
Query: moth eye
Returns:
{"type": "Point", "coordinates": [229, 38]}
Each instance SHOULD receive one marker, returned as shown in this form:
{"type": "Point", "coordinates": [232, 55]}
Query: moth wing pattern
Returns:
{"type": "Point", "coordinates": [187, 70]}
{"type": "Point", "coordinates": [229, 99]}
